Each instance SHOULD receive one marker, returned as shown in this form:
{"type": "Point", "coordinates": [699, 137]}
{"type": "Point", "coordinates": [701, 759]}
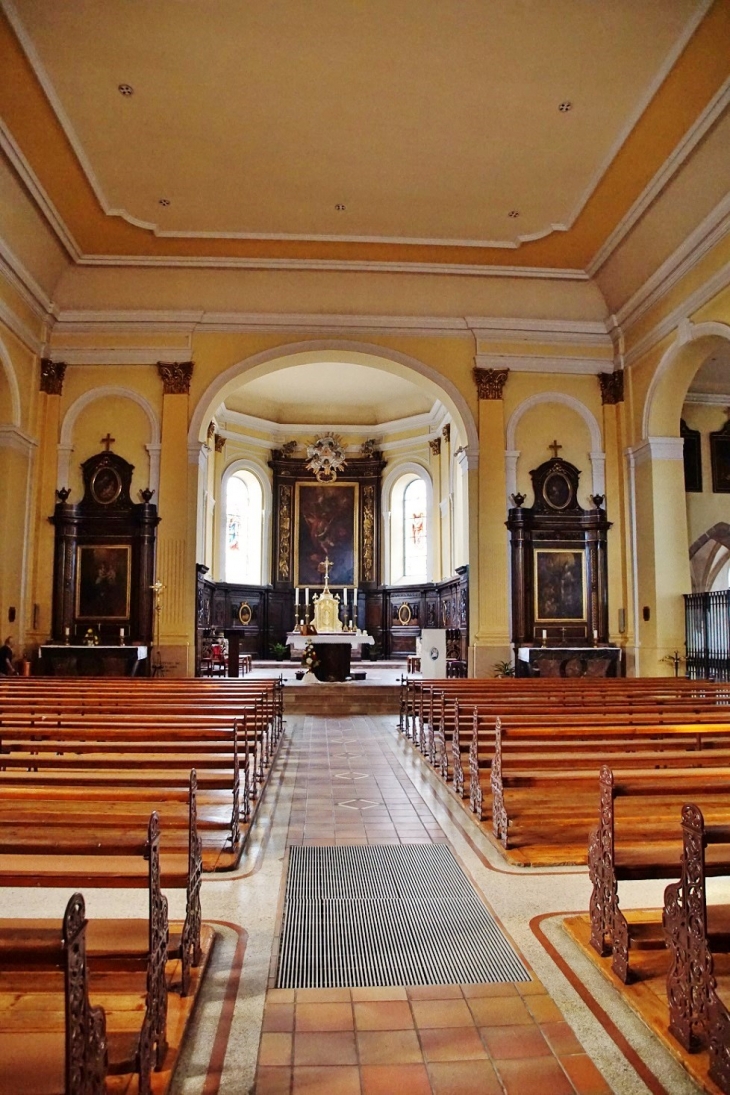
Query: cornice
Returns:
{"type": "Point", "coordinates": [23, 282]}
{"type": "Point", "coordinates": [20, 329]}
{"type": "Point", "coordinates": [12, 437]}
{"type": "Point", "coordinates": [279, 432]}
{"type": "Point", "coordinates": [709, 399]}
{"type": "Point", "coordinates": [526, 363]}
{"type": "Point", "coordinates": [558, 331]}
{"type": "Point", "coordinates": [657, 448]}
{"type": "Point", "coordinates": [671, 165]}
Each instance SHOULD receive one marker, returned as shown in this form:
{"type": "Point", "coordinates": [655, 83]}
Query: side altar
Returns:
{"type": "Point", "coordinates": [332, 643]}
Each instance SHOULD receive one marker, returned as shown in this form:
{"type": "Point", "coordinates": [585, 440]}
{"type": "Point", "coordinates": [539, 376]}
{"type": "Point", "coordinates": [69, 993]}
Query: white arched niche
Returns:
{"type": "Point", "coordinates": [398, 472]}
{"type": "Point", "coordinates": [65, 446]}
{"type": "Point", "coordinates": [597, 455]}
{"type": "Point", "coordinates": [221, 510]}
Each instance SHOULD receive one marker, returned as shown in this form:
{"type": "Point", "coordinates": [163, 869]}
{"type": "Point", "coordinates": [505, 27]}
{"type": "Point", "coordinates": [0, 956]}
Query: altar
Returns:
{"type": "Point", "coordinates": [59, 660]}
{"type": "Point", "coordinates": [568, 661]}
{"type": "Point", "coordinates": [333, 651]}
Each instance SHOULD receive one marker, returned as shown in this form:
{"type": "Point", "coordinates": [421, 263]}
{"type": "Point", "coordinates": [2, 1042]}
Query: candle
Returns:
{"type": "Point", "coordinates": [67, 630]}
{"type": "Point", "coordinates": [544, 633]}
{"type": "Point", "coordinates": [306, 595]}
{"type": "Point", "coordinates": [595, 635]}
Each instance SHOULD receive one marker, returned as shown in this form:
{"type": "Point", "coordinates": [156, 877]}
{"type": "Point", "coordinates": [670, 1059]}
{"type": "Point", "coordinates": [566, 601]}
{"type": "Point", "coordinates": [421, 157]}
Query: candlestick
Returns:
{"type": "Point", "coordinates": [66, 633]}
{"type": "Point", "coordinates": [306, 595]}
{"type": "Point", "coordinates": [121, 636]}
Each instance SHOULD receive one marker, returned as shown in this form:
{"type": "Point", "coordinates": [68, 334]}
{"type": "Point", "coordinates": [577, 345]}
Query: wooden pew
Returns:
{"type": "Point", "coordinates": [72, 1062]}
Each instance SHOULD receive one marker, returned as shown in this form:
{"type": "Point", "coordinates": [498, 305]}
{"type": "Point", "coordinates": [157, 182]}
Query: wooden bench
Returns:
{"type": "Point", "coordinates": [72, 1061]}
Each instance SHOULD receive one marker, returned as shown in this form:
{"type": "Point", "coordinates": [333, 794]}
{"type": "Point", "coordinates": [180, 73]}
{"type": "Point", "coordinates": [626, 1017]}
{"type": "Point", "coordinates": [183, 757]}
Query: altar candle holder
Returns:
{"type": "Point", "coordinates": [66, 635]}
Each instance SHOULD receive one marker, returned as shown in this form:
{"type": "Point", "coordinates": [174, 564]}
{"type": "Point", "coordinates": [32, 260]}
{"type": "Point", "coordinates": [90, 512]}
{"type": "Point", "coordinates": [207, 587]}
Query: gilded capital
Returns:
{"type": "Point", "coordinates": [490, 382]}
{"type": "Point", "coordinates": [612, 387]}
{"type": "Point", "coordinates": [435, 446]}
{"type": "Point", "coordinates": [220, 442]}
{"type": "Point", "coordinates": [52, 374]}
{"type": "Point", "coordinates": [175, 376]}
{"type": "Point", "coordinates": [446, 432]}
{"type": "Point", "coordinates": [211, 431]}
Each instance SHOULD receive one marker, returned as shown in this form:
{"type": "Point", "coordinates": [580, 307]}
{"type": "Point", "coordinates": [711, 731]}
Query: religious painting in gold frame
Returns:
{"type": "Point", "coordinates": [326, 526]}
{"type": "Point", "coordinates": [245, 613]}
{"type": "Point", "coordinates": [559, 582]}
{"type": "Point", "coordinates": [103, 581]}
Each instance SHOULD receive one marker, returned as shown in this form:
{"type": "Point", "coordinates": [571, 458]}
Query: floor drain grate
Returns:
{"type": "Point", "coordinates": [394, 915]}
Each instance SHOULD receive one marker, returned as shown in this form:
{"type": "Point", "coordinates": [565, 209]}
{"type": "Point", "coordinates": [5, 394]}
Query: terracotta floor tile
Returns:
{"type": "Point", "coordinates": [309, 1017]}
{"type": "Point", "coordinates": [278, 1017]}
{"type": "Point", "coordinates": [389, 1047]}
{"type": "Point", "coordinates": [337, 1080]}
{"type": "Point", "coordinates": [385, 992]}
{"type": "Point", "coordinates": [506, 1043]}
{"type": "Point", "coordinates": [395, 1080]}
{"type": "Point", "coordinates": [466, 1078]}
{"type": "Point", "coordinates": [561, 1037]}
{"type": "Point", "coordinates": [541, 1075]}
{"type": "Point", "coordinates": [530, 988]}
{"type": "Point", "coordinates": [275, 1049]}
{"type": "Point", "coordinates": [434, 992]}
{"type": "Point", "coordinates": [280, 996]}
{"type": "Point", "coordinates": [442, 1013]}
{"type": "Point", "coordinates": [585, 1076]}
{"type": "Point", "coordinates": [325, 1048]}
{"type": "Point", "coordinates": [383, 1015]}
{"type": "Point", "coordinates": [499, 1011]}
{"type": "Point", "coordinates": [273, 1081]}
{"type": "Point", "coordinates": [544, 1009]}
{"type": "Point", "coordinates": [452, 1044]}
{"type": "Point", "coordinates": [497, 988]}
{"type": "Point", "coordinates": [322, 996]}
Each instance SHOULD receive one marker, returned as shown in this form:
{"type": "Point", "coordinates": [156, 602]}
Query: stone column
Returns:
{"type": "Point", "coordinates": [446, 504]}
{"type": "Point", "coordinates": [662, 571]}
{"type": "Point", "coordinates": [492, 638]}
{"type": "Point", "coordinates": [175, 552]}
{"type": "Point", "coordinates": [435, 534]}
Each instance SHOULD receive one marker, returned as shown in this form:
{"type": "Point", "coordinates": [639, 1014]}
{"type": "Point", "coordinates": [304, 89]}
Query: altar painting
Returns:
{"type": "Point", "coordinates": [326, 527]}
{"type": "Point", "coordinates": [560, 586]}
{"type": "Point", "coordinates": [103, 582]}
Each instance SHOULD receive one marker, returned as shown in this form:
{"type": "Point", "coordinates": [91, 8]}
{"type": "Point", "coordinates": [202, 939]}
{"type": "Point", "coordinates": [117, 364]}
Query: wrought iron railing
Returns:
{"type": "Point", "coordinates": [707, 628]}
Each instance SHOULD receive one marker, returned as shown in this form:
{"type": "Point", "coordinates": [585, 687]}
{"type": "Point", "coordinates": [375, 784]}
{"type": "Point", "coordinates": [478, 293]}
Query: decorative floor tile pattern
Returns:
{"type": "Point", "coordinates": [436, 1040]}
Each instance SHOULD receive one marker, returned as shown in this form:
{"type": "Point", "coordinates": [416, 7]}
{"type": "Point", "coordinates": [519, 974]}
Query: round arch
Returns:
{"type": "Point", "coordinates": [597, 455]}
{"type": "Point", "coordinates": [260, 473]}
{"type": "Point", "coordinates": [674, 374]}
{"type": "Point", "coordinates": [406, 467]}
{"type": "Point", "coordinates": [9, 371]}
{"type": "Point", "coordinates": [65, 446]}
{"type": "Point", "coordinates": [280, 357]}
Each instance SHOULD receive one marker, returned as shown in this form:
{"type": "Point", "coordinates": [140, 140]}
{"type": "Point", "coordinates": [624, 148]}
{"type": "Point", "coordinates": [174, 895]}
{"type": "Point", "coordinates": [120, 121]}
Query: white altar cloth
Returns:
{"type": "Point", "coordinates": [297, 641]}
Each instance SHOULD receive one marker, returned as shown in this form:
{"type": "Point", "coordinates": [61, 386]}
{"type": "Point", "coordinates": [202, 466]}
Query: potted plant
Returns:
{"type": "Point", "coordinates": [503, 669]}
{"type": "Point", "coordinates": [279, 650]}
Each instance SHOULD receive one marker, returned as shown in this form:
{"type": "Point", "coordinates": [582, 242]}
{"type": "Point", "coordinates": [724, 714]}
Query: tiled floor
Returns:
{"type": "Point", "coordinates": [444, 1039]}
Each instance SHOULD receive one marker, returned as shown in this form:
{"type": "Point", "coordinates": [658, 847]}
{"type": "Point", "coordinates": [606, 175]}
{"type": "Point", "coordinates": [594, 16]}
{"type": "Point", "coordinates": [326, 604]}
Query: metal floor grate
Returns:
{"type": "Point", "coordinates": [401, 914]}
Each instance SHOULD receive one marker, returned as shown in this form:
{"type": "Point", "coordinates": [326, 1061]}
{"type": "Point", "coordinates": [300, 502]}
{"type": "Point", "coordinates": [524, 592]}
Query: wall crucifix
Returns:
{"type": "Point", "coordinates": [554, 448]}
{"type": "Point", "coordinates": [107, 441]}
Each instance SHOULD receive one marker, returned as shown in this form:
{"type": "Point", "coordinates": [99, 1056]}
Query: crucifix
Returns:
{"type": "Point", "coordinates": [554, 449]}
{"type": "Point", "coordinates": [108, 440]}
{"type": "Point", "coordinates": [325, 567]}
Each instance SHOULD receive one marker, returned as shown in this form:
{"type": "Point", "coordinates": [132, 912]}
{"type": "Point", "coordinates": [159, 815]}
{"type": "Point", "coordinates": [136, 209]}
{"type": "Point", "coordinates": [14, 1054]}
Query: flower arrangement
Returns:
{"type": "Point", "coordinates": [310, 661]}
{"type": "Point", "coordinates": [91, 638]}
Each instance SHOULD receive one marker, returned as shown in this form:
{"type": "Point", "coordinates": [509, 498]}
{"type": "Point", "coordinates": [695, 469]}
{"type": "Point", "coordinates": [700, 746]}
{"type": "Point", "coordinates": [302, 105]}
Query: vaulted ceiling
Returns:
{"type": "Point", "coordinates": [485, 131]}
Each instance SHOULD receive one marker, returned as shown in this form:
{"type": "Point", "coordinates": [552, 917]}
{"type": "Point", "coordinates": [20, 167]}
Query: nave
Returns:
{"type": "Point", "coordinates": [355, 781]}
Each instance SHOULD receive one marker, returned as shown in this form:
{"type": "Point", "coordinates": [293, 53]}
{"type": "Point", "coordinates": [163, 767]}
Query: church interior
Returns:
{"type": "Point", "coordinates": [363, 527]}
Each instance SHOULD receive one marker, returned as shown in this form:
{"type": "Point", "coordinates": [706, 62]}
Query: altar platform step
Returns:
{"type": "Point", "coordinates": [348, 698]}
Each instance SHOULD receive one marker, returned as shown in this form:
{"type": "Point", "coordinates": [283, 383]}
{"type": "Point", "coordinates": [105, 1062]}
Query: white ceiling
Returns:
{"type": "Point", "coordinates": [713, 377]}
{"type": "Point", "coordinates": [338, 393]}
{"type": "Point", "coordinates": [427, 119]}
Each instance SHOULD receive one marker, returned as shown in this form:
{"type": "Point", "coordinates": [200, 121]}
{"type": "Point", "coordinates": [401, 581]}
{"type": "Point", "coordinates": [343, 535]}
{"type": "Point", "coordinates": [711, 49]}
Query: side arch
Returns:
{"type": "Point", "coordinates": [65, 446]}
{"type": "Point", "coordinates": [7, 368]}
{"type": "Point", "coordinates": [674, 374]}
{"type": "Point", "coordinates": [406, 467]}
{"type": "Point", "coordinates": [597, 455]}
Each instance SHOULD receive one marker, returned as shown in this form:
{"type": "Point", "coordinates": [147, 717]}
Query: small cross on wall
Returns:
{"type": "Point", "coordinates": [108, 441]}
{"type": "Point", "coordinates": [554, 448]}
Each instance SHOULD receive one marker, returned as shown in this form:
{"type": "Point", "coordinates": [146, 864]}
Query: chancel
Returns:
{"type": "Point", "coordinates": [389, 341]}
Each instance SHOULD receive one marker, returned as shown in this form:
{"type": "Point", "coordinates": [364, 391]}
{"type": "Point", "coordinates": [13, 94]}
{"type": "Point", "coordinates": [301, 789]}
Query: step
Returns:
{"type": "Point", "coordinates": [348, 698]}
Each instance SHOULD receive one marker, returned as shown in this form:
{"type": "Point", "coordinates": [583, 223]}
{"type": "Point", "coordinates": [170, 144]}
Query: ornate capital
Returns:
{"type": "Point", "coordinates": [612, 387]}
{"type": "Point", "coordinates": [220, 443]}
{"type": "Point", "coordinates": [211, 431]}
{"type": "Point", "coordinates": [490, 382]}
{"type": "Point", "coordinates": [435, 446]}
{"type": "Point", "coordinates": [52, 374]}
{"type": "Point", "coordinates": [446, 432]}
{"type": "Point", "coordinates": [175, 376]}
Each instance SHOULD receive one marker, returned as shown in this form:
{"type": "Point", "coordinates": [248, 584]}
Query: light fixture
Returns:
{"type": "Point", "coordinates": [126, 90]}
{"type": "Point", "coordinates": [165, 202]}
{"type": "Point", "coordinates": [565, 106]}
{"type": "Point", "coordinates": [340, 207]}
{"type": "Point", "coordinates": [513, 213]}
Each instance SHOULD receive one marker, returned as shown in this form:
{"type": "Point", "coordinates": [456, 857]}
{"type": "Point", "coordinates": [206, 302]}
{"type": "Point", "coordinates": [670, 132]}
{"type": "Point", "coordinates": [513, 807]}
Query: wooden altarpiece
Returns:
{"type": "Point", "coordinates": [104, 559]}
{"type": "Point", "coordinates": [559, 565]}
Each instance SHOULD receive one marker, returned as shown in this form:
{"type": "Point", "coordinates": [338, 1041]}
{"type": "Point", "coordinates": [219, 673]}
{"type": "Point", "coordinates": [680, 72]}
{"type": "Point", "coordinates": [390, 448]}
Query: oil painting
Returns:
{"type": "Point", "coordinates": [560, 592]}
{"type": "Point", "coordinates": [326, 527]}
{"type": "Point", "coordinates": [102, 582]}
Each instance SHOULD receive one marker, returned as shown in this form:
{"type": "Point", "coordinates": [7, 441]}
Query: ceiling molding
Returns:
{"type": "Point", "coordinates": [557, 331]}
{"type": "Point", "coordinates": [430, 422]}
{"type": "Point", "coordinates": [710, 399]}
{"type": "Point", "coordinates": [582, 366]}
{"type": "Point", "coordinates": [23, 282]}
{"type": "Point", "coordinates": [105, 355]}
{"type": "Point", "coordinates": [12, 437]}
{"type": "Point", "coordinates": [691, 304]}
{"type": "Point", "coordinates": [702, 239]}
{"type": "Point", "coordinates": [39, 195]}
{"type": "Point", "coordinates": [671, 165]}
{"type": "Point", "coordinates": [21, 330]}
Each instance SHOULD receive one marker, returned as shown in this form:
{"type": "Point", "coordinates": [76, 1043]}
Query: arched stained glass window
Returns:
{"type": "Point", "coordinates": [409, 519]}
{"type": "Point", "coordinates": [243, 529]}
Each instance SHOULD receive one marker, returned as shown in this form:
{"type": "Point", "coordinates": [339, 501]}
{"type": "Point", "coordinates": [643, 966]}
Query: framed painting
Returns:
{"type": "Point", "coordinates": [326, 521]}
{"type": "Point", "coordinates": [720, 455]}
{"type": "Point", "coordinates": [560, 585]}
{"type": "Point", "coordinates": [103, 581]}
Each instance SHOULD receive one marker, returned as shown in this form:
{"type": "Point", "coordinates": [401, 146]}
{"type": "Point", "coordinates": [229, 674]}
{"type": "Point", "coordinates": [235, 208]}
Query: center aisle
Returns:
{"type": "Point", "coordinates": [355, 781]}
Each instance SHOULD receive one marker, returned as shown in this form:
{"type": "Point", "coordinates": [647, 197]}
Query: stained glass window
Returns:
{"type": "Point", "coordinates": [244, 513]}
{"type": "Point", "coordinates": [415, 547]}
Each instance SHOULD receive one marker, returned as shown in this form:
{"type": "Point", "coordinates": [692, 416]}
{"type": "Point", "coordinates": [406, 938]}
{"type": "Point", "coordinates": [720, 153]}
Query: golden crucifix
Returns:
{"type": "Point", "coordinates": [554, 449]}
{"type": "Point", "coordinates": [326, 566]}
